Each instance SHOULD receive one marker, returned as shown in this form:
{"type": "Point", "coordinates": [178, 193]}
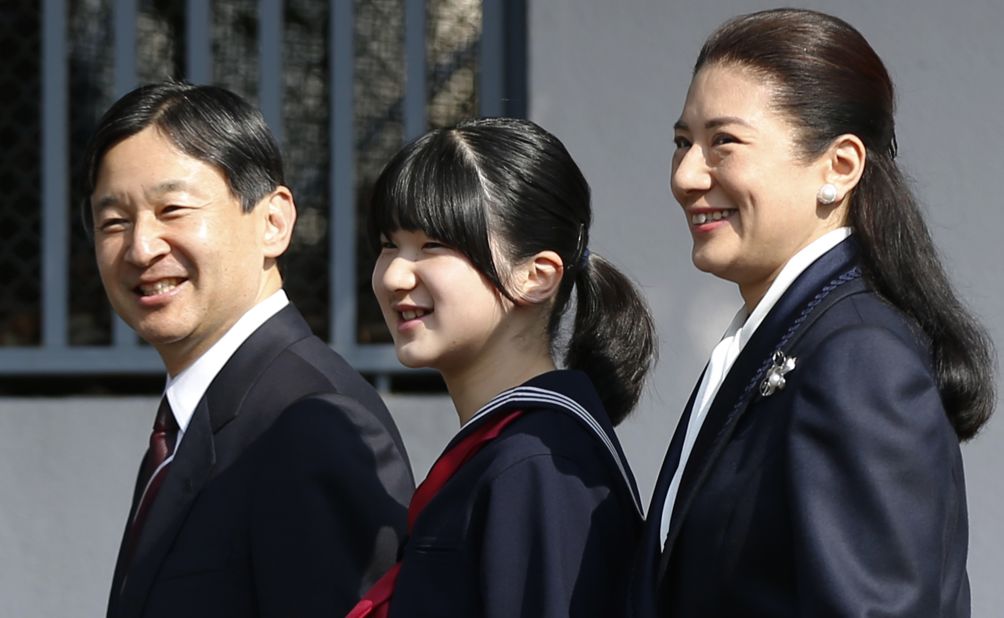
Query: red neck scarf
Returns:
{"type": "Point", "coordinates": [376, 602]}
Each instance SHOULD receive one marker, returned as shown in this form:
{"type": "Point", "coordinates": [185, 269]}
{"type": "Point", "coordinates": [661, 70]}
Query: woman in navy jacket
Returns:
{"type": "Point", "coordinates": [482, 231]}
{"type": "Point", "coordinates": [816, 470]}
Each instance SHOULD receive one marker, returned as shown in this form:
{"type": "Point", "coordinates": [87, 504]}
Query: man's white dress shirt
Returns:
{"type": "Point", "coordinates": [185, 390]}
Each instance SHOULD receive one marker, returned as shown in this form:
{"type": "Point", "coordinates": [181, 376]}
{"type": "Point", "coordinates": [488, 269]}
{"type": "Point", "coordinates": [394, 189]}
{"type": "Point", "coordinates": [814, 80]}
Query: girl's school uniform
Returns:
{"type": "Point", "coordinates": [541, 521]}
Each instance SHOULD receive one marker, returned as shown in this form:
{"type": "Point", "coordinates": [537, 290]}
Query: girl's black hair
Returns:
{"type": "Point", "coordinates": [829, 81]}
{"type": "Point", "coordinates": [507, 184]}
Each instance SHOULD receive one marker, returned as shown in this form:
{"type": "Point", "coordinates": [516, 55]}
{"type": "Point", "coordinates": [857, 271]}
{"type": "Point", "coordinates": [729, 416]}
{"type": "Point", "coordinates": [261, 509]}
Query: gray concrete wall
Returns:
{"type": "Point", "coordinates": [67, 467]}
{"type": "Point", "coordinates": [609, 79]}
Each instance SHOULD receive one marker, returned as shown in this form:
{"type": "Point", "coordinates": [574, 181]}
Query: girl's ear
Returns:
{"type": "Point", "coordinates": [539, 278]}
{"type": "Point", "coordinates": [280, 216]}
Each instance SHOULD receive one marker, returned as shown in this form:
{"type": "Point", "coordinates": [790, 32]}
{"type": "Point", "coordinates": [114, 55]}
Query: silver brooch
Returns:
{"type": "Point", "coordinates": [774, 381]}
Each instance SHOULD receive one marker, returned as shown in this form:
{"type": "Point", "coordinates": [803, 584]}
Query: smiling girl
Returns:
{"type": "Point", "coordinates": [532, 510]}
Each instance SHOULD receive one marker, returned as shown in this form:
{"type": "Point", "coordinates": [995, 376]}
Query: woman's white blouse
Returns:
{"type": "Point", "coordinates": [731, 345]}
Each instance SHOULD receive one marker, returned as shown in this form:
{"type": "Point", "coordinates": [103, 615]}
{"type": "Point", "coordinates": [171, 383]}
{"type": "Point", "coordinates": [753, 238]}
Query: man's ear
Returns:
{"type": "Point", "coordinates": [539, 278]}
{"type": "Point", "coordinates": [844, 162]}
{"type": "Point", "coordinates": [280, 216]}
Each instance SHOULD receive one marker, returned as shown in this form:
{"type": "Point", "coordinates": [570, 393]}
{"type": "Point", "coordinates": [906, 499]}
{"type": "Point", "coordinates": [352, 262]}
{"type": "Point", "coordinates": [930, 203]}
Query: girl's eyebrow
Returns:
{"type": "Point", "coordinates": [106, 201]}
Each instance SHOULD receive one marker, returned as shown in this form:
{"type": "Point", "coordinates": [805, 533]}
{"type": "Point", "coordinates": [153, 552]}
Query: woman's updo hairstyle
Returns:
{"type": "Point", "coordinates": [828, 81]}
{"type": "Point", "coordinates": [502, 190]}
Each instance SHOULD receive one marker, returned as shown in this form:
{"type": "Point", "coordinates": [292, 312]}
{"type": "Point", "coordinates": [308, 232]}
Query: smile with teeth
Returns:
{"type": "Point", "coordinates": [159, 287]}
{"type": "Point", "coordinates": [413, 314]}
{"type": "Point", "coordinates": [716, 215]}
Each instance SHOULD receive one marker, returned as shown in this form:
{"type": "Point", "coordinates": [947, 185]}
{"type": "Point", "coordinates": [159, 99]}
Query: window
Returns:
{"type": "Point", "coordinates": [343, 84]}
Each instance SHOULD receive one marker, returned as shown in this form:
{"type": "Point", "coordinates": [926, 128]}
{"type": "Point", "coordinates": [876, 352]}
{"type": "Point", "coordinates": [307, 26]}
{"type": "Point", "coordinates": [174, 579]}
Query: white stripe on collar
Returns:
{"type": "Point", "coordinates": [533, 394]}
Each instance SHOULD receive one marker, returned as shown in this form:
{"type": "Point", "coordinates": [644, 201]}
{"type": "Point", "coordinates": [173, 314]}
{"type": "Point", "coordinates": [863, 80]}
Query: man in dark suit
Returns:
{"type": "Point", "coordinates": [276, 482]}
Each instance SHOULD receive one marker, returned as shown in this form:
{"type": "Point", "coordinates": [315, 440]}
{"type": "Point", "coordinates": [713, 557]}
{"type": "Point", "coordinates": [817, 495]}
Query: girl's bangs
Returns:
{"type": "Point", "coordinates": [431, 187]}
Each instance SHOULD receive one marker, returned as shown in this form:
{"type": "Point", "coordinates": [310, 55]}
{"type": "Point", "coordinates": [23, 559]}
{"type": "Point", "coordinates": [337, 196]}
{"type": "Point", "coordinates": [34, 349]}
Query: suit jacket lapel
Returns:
{"type": "Point", "coordinates": [229, 390]}
{"type": "Point", "coordinates": [120, 563]}
{"type": "Point", "coordinates": [199, 457]}
{"type": "Point", "coordinates": [643, 579]}
{"type": "Point", "coordinates": [190, 469]}
{"type": "Point", "coordinates": [739, 386]}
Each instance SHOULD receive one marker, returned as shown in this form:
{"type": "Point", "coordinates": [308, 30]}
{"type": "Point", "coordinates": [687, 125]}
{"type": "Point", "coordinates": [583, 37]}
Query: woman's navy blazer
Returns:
{"type": "Point", "coordinates": [541, 522]}
{"type": "Point", "coordinates": [841, 494]}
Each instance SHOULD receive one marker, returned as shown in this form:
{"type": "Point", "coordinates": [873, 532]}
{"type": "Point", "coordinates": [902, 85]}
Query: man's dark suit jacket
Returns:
{"type": "Point", "coordinates": [840, 495]}
{"type": "Point", "coordinates": [286, 497]}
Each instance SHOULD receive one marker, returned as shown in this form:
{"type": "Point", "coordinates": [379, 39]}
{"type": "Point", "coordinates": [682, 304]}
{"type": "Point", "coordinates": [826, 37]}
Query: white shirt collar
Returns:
{"type": "Point", "coordinates": [795, 266]}
{"type": "Point", "coordinates": [185, 390]}
{"type": "Point", "coordinates": [736, 336]}
{"type": "Point", "coordinates": [741, 328]}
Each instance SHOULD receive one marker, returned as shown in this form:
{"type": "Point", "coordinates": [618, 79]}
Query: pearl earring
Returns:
{"type": "Point", "coordinates": [827, 194]}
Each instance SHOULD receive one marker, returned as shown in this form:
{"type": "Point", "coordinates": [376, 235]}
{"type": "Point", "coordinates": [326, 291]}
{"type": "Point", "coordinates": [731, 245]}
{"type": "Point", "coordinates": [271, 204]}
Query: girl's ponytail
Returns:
{"type": "Point", "coordinates": [613, 340]}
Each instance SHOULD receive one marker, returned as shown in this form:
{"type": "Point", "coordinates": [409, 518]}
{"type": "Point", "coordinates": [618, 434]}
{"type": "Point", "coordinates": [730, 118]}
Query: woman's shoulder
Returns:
{"type": "Point", "coordinates": [863, 313]}
{"type": "Point", "coordinates": [864, 359]}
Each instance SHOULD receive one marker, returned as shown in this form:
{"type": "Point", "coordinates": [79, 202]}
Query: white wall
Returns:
{"type": "Point", "coordinates": [609, 79]}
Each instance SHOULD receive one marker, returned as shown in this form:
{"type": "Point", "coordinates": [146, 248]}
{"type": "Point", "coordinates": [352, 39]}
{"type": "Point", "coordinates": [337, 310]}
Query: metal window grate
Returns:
{"type": "Point", "coordinates": [342, 83]}
{"type": "Point", "coordinates": [20, 223]}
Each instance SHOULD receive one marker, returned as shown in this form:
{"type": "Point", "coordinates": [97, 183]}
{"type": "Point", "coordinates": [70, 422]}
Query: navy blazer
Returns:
{"type": "Point", "coordinates": [840, 495]}
{"type": "Point", "coordinates": [286, 496]}
{"type": "Point", "coordinates": [541, 522]}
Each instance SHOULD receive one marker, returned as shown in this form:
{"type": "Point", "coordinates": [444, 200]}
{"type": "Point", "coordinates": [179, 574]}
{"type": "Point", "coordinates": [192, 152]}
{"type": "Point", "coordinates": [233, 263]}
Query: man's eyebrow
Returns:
{"type": "Point", "coordinates": [169, 186]}
{"type": "Point", "coordinates": [162, 188]}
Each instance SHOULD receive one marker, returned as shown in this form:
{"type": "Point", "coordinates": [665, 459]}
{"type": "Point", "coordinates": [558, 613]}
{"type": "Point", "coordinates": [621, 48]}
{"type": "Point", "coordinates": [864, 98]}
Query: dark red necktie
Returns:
{"type": "Point", "coordinates": [155, 466]}
{"type": "Point", "coordinates": [376, 602]}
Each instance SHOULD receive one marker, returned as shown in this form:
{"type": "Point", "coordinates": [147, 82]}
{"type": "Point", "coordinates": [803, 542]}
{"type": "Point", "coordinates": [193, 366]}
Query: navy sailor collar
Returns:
{"type": "Point", "coordinates": [567, 391]}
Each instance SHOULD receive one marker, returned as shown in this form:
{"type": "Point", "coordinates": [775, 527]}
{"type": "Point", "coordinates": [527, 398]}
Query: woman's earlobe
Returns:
{"type": "Point", "coordinates": [827, 194]}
